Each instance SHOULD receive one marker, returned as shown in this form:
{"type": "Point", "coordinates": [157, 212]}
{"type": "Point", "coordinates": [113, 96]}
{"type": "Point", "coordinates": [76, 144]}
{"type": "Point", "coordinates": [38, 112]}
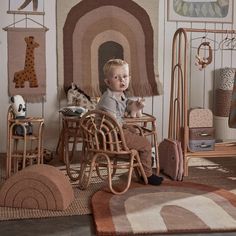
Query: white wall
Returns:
{"type": "Point", "coordinates": [48, 109]}
{"type": "Point", "coordinates": [158, 106]}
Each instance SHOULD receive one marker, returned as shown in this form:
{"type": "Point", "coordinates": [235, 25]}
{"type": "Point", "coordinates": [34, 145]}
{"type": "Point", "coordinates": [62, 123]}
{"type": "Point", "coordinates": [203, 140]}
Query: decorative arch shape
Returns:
{"type": "Point", "coordinates": [90, 18]}
{"type": "Point", "coordinates": [149, 209]}
{"type": "Point", "coordinates": [98, 41]}
{"type": "Point", "coordinates": [107, 50]}
{"type": "Point", "coordinates": [37, 187]}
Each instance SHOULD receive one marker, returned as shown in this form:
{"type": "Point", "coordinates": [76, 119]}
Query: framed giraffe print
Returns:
{"type": "Point", "coordinates": [27, 63]}
{"type": "Point", "coordinates": [31, 7]}
{"type": "Point", "coordinates": [215, 11]}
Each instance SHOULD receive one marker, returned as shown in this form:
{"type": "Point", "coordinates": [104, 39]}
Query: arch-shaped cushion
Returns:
{"type": "Point", "coordinates": [39, 187]}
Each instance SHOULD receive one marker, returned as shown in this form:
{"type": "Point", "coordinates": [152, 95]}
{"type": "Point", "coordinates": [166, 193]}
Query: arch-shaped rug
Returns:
{"type": "Point", "coordinates": [172, 207]}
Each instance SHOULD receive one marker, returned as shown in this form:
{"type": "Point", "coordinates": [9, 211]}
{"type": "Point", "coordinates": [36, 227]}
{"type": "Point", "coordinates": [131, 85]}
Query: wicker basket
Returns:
{"type": "Point", "coordinates": [225, 81]}
{"type": "Point", "coordinates": [222, 102]}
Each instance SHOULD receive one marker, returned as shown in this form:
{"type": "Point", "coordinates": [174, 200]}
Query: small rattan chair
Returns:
{"type": "Point", "coordinates": [104, 145]}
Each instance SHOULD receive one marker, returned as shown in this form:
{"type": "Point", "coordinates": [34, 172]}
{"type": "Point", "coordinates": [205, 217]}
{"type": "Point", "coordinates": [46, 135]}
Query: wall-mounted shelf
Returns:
{"type": "Point", "coordinates": [26, 12]}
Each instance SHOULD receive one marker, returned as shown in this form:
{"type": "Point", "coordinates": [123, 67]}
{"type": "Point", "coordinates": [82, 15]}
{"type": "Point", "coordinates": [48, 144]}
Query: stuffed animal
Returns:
{"type": "Point", "coordinates": [134, 108]}
{"type": "Point", "coordinates": [18, 106]}
{"type": "Point", "coordinates": [19, 110]}
{"type": "Point", "coordinates": [77, 97]}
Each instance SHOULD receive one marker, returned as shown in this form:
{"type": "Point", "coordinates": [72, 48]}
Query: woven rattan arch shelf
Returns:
{"type": "Point", "coordinates": [178, 116]}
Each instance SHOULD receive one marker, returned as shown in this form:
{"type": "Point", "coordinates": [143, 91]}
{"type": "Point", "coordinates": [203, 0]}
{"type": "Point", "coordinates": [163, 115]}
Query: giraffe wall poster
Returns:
{"type": "Point", "coordinates": [27, 63]}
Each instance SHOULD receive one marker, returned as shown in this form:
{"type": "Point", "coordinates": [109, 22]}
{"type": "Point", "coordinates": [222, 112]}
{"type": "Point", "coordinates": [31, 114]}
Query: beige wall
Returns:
{"type": "Point", "coordinates": [155, 105]}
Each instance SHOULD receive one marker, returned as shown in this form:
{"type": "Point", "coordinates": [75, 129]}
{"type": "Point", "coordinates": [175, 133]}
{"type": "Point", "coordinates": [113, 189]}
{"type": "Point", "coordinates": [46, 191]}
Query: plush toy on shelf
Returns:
{"type": "Point", "coordinates": [18, 106]}
{"type": "Point", "coordinates": [134, 108]}
{"type": "Point", "coordinates": [77, 97]}
{"type": "Point", "coordinates": [19, 109]}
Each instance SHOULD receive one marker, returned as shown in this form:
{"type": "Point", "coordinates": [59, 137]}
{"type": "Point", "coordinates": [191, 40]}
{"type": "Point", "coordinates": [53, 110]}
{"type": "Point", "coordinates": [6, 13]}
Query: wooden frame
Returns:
{"type": "Point", "coordinates": [14, 5]}
{"type": "Point", "coordinates": [185, 11]}
{"type": "Point", "coordinates": [178, 116]}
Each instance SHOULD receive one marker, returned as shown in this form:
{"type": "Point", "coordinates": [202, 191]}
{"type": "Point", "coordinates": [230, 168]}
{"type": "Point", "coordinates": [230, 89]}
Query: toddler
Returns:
{"type": "Point", "coordinates": [114, 101]}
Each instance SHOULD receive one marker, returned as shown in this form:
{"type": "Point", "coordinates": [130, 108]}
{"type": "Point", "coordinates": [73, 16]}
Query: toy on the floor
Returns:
{"type": "Point", "coordinates": [37, 187]}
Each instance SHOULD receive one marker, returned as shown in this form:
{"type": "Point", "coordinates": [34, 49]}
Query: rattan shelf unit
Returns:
{"type": "Point", "coordinates": [178, 116]}
{"type": "Point", "coordinates": [25, 149]}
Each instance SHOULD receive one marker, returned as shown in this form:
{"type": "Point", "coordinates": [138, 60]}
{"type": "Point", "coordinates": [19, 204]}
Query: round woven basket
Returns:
{"type": "Point", "coordinates": [225, 80]}
{"type": "Point", "coordinates": [222, 102]}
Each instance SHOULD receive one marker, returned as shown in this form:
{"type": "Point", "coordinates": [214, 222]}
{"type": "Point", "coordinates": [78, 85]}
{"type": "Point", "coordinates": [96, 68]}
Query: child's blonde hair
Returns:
{"type": "Point", "coordinates": [112, 62]}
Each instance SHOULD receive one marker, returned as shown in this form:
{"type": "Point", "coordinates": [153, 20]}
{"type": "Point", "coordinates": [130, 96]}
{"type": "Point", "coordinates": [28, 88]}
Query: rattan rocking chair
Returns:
{"type": "Point", "coordinates": [104, 145]}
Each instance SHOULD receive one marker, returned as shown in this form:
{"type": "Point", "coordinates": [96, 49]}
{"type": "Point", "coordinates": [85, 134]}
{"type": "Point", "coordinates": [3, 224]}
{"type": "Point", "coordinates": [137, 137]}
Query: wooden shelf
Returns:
{"type": "Point", "coordinates": [25, 12]}
{"type": "Point", "coordinates": [28, 137]}
{"type": "Point", "coordinates": [221, 149]}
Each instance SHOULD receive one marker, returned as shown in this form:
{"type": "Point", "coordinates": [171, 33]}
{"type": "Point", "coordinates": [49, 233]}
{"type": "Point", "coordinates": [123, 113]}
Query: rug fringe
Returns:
{"type": "Point", "coordinates": [34, 98]}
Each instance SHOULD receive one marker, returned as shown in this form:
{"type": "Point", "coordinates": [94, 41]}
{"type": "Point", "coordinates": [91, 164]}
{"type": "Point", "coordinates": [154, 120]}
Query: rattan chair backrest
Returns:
{"type": "Point", "coordinates": [101, 132]}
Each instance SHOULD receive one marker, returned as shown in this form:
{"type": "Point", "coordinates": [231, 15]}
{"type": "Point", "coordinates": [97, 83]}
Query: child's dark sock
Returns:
{"type": "Point", "coordinates": [155, 180]}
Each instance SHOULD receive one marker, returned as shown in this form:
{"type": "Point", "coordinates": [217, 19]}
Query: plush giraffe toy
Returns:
{"type": "Point", "coordinates": [28, 73]}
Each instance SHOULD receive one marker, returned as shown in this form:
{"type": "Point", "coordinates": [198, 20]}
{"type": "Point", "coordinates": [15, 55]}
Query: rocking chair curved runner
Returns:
{"type": "Point", "coordinates": [104, 145]}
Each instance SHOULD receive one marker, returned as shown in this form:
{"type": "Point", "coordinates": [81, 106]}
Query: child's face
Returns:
{"type": "Point", "coordinates": [118, 78]}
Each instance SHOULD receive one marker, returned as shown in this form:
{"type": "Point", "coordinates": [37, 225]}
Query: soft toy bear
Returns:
{"type": "Point", "coordinates": [19, 109]}
{"type": "Point", "coordinates": [18, 106]}
{"type": "Point", "coordinates": [134, 108]}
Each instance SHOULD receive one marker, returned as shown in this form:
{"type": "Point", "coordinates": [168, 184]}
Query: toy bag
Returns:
{"type": "Point", "coordinates": [171, 159]}
{"type": "Point", "coordinates": [200, 117]}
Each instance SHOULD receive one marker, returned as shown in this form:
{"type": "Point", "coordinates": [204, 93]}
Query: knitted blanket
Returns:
{"type": "Point", "coordinates": [91, 32]}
